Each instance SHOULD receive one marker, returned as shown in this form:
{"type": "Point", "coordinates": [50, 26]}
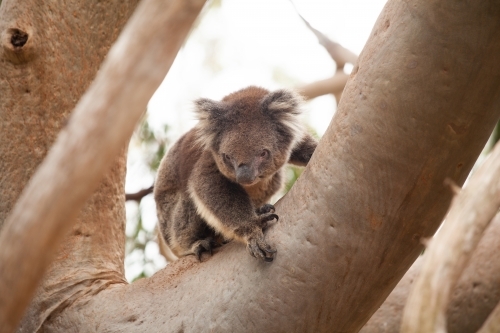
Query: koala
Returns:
{"type": "Point", "coordinates": [215, 182]}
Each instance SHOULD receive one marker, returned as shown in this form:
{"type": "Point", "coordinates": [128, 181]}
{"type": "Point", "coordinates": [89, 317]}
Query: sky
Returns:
{"type": "Point", "coordinates": [237, 43]}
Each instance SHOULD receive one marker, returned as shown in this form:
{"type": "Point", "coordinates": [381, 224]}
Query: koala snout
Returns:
{"type": "Point", "coordinates": [245, 174]}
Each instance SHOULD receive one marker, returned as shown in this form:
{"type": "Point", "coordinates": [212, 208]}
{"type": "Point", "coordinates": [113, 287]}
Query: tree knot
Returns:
{"type": "Point", "coordinates": [18, 38]}
{"type": "Point", "coordinates": [17, 45]}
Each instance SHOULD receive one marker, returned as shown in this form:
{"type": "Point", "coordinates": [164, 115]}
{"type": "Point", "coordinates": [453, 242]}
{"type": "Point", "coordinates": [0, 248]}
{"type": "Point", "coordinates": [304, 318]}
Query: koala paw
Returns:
{"type": "Point", "coordinates": [204, 245]}
{"type": "Point", "coordinates": [267, 208]}
{"type": "Point", "coordinates": [258, 247]}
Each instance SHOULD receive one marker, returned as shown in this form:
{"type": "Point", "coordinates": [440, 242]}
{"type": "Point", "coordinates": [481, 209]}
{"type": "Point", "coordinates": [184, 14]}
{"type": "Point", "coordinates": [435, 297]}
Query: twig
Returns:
{"type": "Point", "coordinates": [337, 52]}
{"type": "Point", "coordinates": [137, 196]}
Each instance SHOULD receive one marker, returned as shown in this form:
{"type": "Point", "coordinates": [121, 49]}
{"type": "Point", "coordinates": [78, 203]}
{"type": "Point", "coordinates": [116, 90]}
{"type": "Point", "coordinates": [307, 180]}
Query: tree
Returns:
{"type": "Point", "coordinates": [349, 228]}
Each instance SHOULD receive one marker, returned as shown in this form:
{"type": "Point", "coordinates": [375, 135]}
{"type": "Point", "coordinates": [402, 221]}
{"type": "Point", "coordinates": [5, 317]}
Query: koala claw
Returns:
{"type": "Point", "coordinates": [264, 218]}
{"type": "Point", "coordinates": [258, 248]}
{"type": "Point", "coordinates": [267, 208]}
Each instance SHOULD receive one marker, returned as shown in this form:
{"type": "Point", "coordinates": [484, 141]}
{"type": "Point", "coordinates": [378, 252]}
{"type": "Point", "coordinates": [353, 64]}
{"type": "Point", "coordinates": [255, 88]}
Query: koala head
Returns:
{"type": "Point", "coordinates": [250, 132]}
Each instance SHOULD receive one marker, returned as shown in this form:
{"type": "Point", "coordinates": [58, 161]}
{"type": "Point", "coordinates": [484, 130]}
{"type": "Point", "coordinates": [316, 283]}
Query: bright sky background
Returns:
{"type": "Point", "coordinates": [260, 42]}
{"type": "Point", "coordinates": [241, 43]}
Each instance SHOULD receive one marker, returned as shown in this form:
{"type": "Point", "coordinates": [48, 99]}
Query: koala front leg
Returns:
{"type": "Point", "coordinates": [303, 150]}
{"type": "Point", "coordinates": [227, 208]}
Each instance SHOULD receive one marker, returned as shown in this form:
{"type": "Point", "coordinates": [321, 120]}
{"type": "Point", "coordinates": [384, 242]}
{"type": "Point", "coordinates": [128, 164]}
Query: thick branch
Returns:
{"type": "Point", "coordinates": [470, 214]}
{"type": "Point", "coordinates": [127, 79]}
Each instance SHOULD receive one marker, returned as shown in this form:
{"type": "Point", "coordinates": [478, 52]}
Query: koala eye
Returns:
{"type": "Point", "coordinates": [226, 157]}
{"type": "Point", "coordinates": [264, 153]}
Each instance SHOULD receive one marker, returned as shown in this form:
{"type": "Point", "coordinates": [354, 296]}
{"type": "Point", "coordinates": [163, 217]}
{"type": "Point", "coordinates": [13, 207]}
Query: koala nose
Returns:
{"type": "Point", "coordinates": [245, 174]}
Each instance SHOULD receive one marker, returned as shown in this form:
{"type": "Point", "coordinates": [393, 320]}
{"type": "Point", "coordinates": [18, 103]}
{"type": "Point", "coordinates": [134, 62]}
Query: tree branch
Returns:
{"type": "Point", "coordinates": [137, 196]}
{"type": "Point", "coordinates": [334, 85]}
{"type": "Point", "coordinates": [337, 52]}
{"type": "Point", "coordinates": [340, 55]}
{"type": "Point", "coordinates": [470, 214]}
{"type": "Point", "coordinates": [473, 298]}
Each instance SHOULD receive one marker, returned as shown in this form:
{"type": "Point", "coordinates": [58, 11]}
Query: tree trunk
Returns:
{"type": "Point", "coordinates": [418, 109]}
{"type": "Point", "coordinates": [40, 83]}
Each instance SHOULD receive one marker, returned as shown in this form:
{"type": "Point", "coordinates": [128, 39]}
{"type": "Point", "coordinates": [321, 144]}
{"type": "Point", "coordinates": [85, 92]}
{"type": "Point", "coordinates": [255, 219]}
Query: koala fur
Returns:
{"type": "Point", "coordinates": [214, 183]}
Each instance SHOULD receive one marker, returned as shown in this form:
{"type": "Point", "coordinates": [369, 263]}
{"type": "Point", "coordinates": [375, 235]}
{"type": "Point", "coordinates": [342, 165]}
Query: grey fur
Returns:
{"type": "Point", "coordinates": [215, 182]}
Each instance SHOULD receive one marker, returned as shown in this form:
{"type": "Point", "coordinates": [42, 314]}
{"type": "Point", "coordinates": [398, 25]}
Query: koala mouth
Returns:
{"type": "Point", "coordinates": [257, 180]}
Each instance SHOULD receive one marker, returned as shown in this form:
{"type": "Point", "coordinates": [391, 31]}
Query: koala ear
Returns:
{"type": "Point", "coordinates": [209, 113]}
{"type": "Point", "coordinates": [283, 106]}
{"type": "Point", "coordinates": [207, 109]}
{"type": "Point", "coordinates": [282, 101]}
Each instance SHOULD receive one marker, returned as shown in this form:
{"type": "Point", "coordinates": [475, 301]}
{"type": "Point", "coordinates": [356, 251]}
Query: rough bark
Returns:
{"type": "Point", "coordinates": [91, 257]}
{"type": "Point", "coordinates": [352, 224]}
{"type": "Point", "coordinates": [473, 299]}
